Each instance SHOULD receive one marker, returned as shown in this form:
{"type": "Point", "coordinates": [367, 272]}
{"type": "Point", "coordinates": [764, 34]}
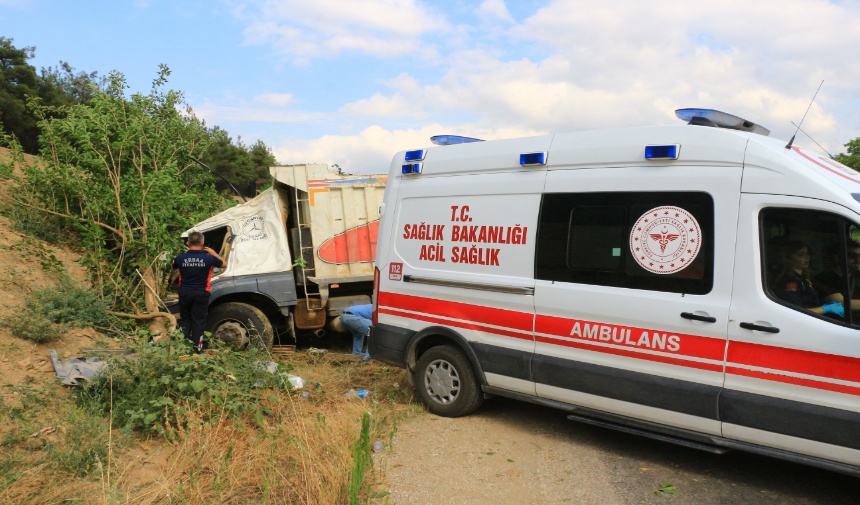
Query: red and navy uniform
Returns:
{"type": "Point", "coordinates": [195, 278]}
{"type": "Point", "coordinates": [796, 290]}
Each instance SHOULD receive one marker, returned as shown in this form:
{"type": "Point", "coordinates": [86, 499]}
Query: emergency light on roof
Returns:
{"type": "Point", "coordinates": [669, 152]}
{"type": "Point", "coordinates": [449, 140]}
{"type": "Point", "coordinates": [527, 159]}
{"type": "Point", "coordinates": [417, 155]}
{"type": "Point", "coordinates": [718, 119]}
{"type": "Point", "coordinates": [411, 168]}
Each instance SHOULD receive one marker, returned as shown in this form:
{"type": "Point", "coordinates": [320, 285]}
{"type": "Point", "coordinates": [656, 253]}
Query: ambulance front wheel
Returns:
{"type": "Point", "coordinates": [446, 382]}
{"type": "Point", "coordinates": [241, 326]}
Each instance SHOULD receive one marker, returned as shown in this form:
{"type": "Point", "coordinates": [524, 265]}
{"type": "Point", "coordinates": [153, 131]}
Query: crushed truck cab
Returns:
{"type": "Point", "coordinates": [297, 254]}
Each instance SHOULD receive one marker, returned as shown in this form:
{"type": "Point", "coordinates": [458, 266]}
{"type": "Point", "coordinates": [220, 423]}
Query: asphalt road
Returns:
{"type": "Point", "coordinates": [514, 452]}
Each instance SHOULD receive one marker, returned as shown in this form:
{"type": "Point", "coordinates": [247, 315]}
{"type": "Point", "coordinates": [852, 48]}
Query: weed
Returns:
{"type": "Point", "coordinates": [361, 460]}
{"type": "Point", "coordinates": [83, 448]}
{"type": "Point", "coordinates": [50, 312]}
{"type": "Point", "coordinates": [665, 488]}
{"type": "Point", "coordinates": [154, 391]}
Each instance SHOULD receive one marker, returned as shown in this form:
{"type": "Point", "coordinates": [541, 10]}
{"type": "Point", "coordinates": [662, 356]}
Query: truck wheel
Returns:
{"type": "Point", "coordinates": [240, 325]}
{"type": "Point", "coordinates": [446, 382]}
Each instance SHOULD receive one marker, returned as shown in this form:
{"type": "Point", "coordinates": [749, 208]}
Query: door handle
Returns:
{"type": "Point", "coordinates": [697, 317]}
{"type": "Point", "coordinates": [758, 327]}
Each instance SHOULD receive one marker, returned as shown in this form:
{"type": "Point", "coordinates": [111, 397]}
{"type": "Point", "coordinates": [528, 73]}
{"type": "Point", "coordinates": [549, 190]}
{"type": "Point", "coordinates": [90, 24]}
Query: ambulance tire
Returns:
{"type": "Point", "coordinates": [446, 382]}
{"type": "Point", "coordinates": [240, 325]}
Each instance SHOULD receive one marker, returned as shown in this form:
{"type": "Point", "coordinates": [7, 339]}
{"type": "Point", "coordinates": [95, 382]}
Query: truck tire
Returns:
{"type": "Point", "coordinates": [446, 382]}
{"type": "Point", "coordinates": [240, 325]}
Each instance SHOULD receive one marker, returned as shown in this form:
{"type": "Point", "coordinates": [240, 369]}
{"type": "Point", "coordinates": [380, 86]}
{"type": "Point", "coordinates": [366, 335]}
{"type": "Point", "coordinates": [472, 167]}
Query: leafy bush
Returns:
{"type": "Point", "coordinates": [50, 312]}
{"type": "Point", "coordinates": [156, 389]}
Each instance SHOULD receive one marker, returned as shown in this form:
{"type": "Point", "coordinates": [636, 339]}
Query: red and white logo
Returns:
{"type": "Point", "coordinates": [395, 271]}
{"type": "Point", "coordinates": [665, 240]}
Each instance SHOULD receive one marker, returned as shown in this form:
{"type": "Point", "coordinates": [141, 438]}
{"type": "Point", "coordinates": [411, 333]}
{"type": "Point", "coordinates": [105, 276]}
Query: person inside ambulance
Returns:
{"type": "Point", "coordinates": [792, 284]}
{"type": "Point", "coordinates": [830, 283]}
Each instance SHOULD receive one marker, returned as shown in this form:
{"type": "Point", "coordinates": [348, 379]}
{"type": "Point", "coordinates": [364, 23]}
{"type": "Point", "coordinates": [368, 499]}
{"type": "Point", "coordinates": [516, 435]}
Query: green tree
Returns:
{"type": "Point", "coordinates": [852, 158]}
{"type": "Point", "coordinates": [245, 167]}
{"type": "Point", "coordinates": [118, 171]}
{"type": "Point", "coordinates": [64, 85]}
{"type": "Point", "coordinates": [18, 80]}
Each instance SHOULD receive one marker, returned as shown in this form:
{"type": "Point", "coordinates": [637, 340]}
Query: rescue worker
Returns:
{"type": "Point", "coordinates": [357, 320]}
{"type": "Point", "coordinates": [830, 283]}
{"type": "Point", "coordinates": [195, 274]}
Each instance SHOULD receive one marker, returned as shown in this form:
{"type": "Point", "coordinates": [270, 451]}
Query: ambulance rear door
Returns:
{"type": "Point", "coordinates": [462, 243]}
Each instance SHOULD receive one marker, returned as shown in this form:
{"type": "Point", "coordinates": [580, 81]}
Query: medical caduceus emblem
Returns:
{"type": "Point", "coordinates": [665, 240]}
{"type": "Point", "coordinates": [664, 237]}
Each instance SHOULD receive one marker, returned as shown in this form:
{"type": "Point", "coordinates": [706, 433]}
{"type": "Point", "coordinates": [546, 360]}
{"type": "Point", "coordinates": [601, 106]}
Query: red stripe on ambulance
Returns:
{"type": "Point", "coordinates": [798, 381]}
{"type": "Point", "coordinates": [498, 317]}
{"type": "Point", "coordinates": [831, 366]}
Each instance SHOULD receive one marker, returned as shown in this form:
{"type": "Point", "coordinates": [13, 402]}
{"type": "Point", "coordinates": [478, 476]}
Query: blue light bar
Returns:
{"type": "Point", "coordinates": [669, 152]}
{"type": "Point", "coordinates": [417, 155]}
{"type": "Point", "coordinates": [411, 168]}
{"type": "Point", "coordinates": [450, 140]}
{"type": "Point", "coordinates": [533, 159]}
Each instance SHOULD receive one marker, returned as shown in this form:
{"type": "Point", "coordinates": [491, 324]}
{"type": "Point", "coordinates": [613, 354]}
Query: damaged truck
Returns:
{"type": "Point", "coordinates": [297, 255]}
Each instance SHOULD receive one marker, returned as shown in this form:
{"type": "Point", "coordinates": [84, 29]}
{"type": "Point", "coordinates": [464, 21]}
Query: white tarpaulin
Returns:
{"type": "Point", "coordinates": [259, 240]}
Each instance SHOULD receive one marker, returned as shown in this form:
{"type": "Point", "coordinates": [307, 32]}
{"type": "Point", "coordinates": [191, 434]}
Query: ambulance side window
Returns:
{"type": "Point", "coordinates": [588, 238]}
{"type": "Point", "coordinates": [805, 257]}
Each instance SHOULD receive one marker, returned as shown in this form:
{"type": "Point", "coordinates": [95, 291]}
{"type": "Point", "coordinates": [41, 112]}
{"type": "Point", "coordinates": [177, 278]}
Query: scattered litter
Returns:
{"type": "Point", "coordinates": [378, 446]}
{"type": "Point", "coordinates": [361, 393]}
{"type": "Point", "coordinates": [44, 431]}
{"type": "Point", "coordinates": [73, 370]}
{"type": "Point", "coordinates": [295, 381]}
{"type": "Point", "coordinates": [306, 394]}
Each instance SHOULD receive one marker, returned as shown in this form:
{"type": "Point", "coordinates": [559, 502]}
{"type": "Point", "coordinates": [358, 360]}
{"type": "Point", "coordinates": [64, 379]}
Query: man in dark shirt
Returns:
{"type": "Point", "coordinates": [831, 284]}
{"type": "Point", "coordinates": [195, 276]}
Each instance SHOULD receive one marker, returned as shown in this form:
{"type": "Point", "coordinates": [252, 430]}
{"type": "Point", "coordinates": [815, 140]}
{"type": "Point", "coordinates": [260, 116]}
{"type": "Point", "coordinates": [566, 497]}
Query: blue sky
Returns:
{"type": "Point", "coordinates": [354, 81]}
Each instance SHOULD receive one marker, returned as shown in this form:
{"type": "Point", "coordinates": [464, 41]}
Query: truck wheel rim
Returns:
{"type": "Point", "coordinates": [442, 382]}
{"type": "Point", "coordinates": [232, 333]}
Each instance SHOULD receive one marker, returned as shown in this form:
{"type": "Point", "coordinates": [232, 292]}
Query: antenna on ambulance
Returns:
{"type": "Point", "coordinates": [788, 146]}
{"type": "Point", "coordinates": [816, 143]}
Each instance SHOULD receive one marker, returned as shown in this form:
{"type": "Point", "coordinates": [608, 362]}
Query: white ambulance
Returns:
{"type": "Point", "coordinates": [693, 283]}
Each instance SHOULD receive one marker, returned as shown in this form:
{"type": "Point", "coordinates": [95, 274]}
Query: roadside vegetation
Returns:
{"type": "Point", "coordinates": [273, 445]}
{"type": "Point", "coordinates": [115, 180]}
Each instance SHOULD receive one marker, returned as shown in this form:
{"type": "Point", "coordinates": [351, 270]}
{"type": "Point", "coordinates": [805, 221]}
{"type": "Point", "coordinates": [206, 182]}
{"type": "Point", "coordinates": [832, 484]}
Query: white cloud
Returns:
{"type": "Point", "coordinates": [494, 10]}
{"type": "Point", "coordinates": [573, 65]}
{"type": "Point", "coordinates": [379, 106]}
{"type": "Point", "coordinates": [218, 114]}
{"type": "Point", "coordinates": [275, 99]}
{"type": "Point", "coordinates": [302, 30]}
{"type": "Point", "coordinates": [371, 150]}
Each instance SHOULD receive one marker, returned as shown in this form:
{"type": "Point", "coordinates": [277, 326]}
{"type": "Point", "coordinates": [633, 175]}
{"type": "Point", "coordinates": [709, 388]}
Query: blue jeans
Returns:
{"type": "Point", "coordinates": [359, 327]}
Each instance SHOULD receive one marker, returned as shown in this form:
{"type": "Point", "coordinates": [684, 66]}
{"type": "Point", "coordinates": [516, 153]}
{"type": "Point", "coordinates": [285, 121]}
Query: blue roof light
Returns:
{"type": "Point", "coordinates": [449, 140]}
{"type": "Point", "coordinates": [416, 155]}
{"type": "Point", "coordinates": [668, 152]}
{"type": "Point", "coordinates": [411, 168]}
{"type": "Point", "coordinates": [533, 159]}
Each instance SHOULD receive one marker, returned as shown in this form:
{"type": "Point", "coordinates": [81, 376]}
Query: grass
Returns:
{"type": "Point", "coordinates": [311, 449]}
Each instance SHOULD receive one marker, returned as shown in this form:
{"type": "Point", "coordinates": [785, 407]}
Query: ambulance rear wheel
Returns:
{"type": "Point", "coordinates": [446, 382]}
{"type": "Point", "coordinates": [241, 326]}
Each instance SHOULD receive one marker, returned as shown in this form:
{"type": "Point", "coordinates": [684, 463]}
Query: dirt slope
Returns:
{"type": "Point", "coordinates": [21, 272]}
